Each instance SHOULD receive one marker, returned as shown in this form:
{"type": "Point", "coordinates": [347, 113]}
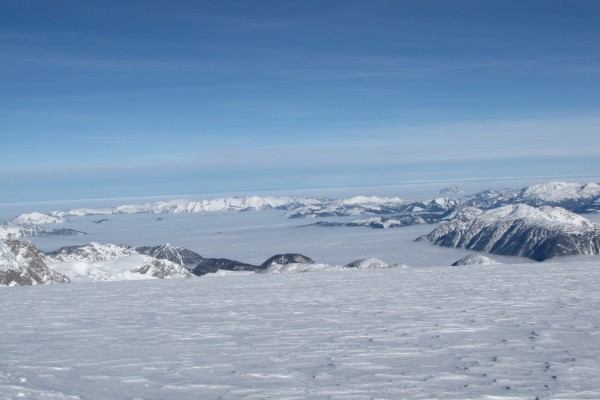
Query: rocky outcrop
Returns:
{"type": "Point", "coordinates": [22, 264]}
{"type": "Point", "coordinates": [211, 265]}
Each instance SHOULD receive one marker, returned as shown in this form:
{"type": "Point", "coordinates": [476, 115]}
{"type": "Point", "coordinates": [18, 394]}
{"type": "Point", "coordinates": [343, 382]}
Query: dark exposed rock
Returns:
{"type": "Point", "coordinates": [211, 265]}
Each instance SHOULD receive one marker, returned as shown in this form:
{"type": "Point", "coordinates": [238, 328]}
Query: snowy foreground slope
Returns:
{"type": "Point", "coordinates": [474, 332]}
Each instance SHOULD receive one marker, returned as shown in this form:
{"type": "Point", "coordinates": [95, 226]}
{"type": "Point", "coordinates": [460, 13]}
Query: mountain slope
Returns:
{"type": "Point", "coordinates": [569, 195]}
{"type": "Point", "coordinates": [519, 230]}
{"type": "Point", "coordinates": [184, 257]}
{"type": "Point", "coordinates": [22, 264]}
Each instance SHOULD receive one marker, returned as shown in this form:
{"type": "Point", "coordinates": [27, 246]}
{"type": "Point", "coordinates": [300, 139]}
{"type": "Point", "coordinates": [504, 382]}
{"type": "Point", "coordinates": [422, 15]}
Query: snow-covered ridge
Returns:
{"type": "Point", "coordinates": [15, 231]}
{"type": "Point", "coordinates": [295, 267]}
{"type": "Point", "coordinates": [519, 230]}
{"type": "Point", "coordinates": [560, 191]}
{"type": "Point", "coordinates": [545, 216]}
{"type": "Point", "coordinates": [570, 195]}
{"type": "Point", "coordinates": [251, 203]}
{"type": "Point", "coordinates": [90, 252]}
{"type": "Point", "coordinates": [372, 200]}
{"type": "Point", "coordinates": [372, 205]}
{"type": "Point", "coordinates": [22, 264]}
{"type": "Point", "coordinates": [37, 218]}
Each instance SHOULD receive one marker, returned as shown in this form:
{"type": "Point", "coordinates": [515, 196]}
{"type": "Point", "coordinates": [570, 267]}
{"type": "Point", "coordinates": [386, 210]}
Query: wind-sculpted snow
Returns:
{"type": "Point", "coordinates": [519, 230]}
{"type": "Point", "coordinates": [570, 195]}
{"type": "Point", "coordinates": [499, 332]}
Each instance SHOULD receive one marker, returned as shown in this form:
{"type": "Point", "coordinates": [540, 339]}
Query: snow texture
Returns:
{"type": "Point", "coordinates": [500, 332]}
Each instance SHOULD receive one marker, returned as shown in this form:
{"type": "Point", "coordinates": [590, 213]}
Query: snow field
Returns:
{"type": "Point", "coordinates": [474, 332]}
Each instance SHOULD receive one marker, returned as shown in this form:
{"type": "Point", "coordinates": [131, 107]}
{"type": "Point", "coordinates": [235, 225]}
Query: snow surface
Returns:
{"type": "Point", "coordinates": [500, 332]}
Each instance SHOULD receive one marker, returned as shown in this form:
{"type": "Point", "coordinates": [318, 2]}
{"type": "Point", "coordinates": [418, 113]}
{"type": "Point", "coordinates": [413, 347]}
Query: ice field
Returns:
{"type": "Point", "coordinates": [480, 332]}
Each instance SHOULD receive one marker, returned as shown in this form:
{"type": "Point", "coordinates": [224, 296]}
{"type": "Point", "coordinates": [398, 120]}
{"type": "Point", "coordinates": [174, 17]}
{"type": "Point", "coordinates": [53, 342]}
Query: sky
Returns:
{"type": "Point", "coordinates": [140, 98]}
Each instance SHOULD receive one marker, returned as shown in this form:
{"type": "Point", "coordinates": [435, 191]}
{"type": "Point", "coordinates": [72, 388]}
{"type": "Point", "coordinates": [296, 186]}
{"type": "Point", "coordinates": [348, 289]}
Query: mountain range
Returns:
{"type": "Point", "coordinates": [569, 195]}
{"type": "Point", "coordinates": [532, 222]}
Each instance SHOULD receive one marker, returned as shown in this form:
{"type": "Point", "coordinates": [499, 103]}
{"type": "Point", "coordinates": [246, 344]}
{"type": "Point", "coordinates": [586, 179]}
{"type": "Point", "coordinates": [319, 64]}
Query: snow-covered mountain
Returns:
{"type": "Point", "coordinates": [14, 231]}
{"type": "Point", "coordinates": [297, 267]}
{"type": "Point", "coordinates": [372, 205]}
{"type": "Point", "coordinates": [293, 268]}
{"type": "Point", "coordinates": [570, 195]}
{"type": "Point", "coordinates": [179, 255]}
{"type": "Point", "coordinates": [519, 230]}
{"type": "Point", "coordinates": [249, 203]}
{"type": "Point", "coordinates": [288, 258]}
{"type": "Point", "coordinates": [398, 221]}
{"type": "Point", "coordinates": [90, 252]}
{"type": "Point", "coordinates": [367, 263]}
{"type": "Point", "coordinates": [37, 218]}
{"type": "Point", "coordinates": [22, 264]}
{"type": "Point", "coordinates": [474, 259]}
{"type": "Point", "coordinates": [452, 190]}
{"type": "Point", "coordinates": [127, 267]}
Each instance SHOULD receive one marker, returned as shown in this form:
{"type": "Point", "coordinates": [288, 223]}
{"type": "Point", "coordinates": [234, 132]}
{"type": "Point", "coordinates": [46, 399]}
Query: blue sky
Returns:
{"type": "Point", "coordinates": [138, 98]}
